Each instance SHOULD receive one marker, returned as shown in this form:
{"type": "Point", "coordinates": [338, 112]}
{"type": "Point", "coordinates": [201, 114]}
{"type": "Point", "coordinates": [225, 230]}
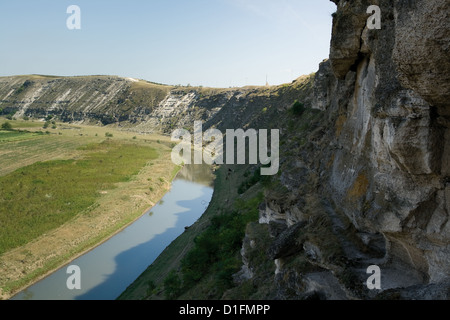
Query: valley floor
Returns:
{"type": "Point", "coordinates": [42, 172]}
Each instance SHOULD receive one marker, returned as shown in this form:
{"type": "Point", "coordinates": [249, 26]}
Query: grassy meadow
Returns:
{"type": "Point", "coordinates": [66, 188]}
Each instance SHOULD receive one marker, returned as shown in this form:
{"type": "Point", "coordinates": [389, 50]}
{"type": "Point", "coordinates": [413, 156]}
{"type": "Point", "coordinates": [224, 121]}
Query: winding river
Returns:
{"type": "Point", "coordinates": [107, 270]}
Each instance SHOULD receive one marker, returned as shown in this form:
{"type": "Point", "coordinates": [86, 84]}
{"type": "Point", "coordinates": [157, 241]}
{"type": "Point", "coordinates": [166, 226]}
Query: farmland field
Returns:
{"type": "Point", "coordinates": [66, 189]}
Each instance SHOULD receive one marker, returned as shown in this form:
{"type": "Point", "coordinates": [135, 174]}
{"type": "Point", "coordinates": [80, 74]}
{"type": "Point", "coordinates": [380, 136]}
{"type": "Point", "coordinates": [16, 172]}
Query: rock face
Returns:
{"type": "Point", "coordinates": [346, 41]}
{"type": "Point", "coordinates": [421, 50]}
{"type": "Point", "coordinates": [387, 161]}
{"type": "Point", "coordinates": [397, 141]}
{"type": "Point", "coordinates": [137, 105]}
{"type": "Point", "coordinates": [76, 99]}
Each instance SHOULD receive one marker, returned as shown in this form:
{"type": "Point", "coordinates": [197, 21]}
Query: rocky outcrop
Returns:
{"type": "Point", "coordinates": [75, 99]}
{"type": "Point", "coordinates": [346, 42]}
{"type": "Point", "coordinates": [132, 104]}
{"type": "Point", "coordinates": [421, 50]}
{"type": "Point", "coordinates": [385, 168]}
{"type": "Point", "coordinates": [287, 242]}
{"type": "Point", "coordinates": [389, 175]}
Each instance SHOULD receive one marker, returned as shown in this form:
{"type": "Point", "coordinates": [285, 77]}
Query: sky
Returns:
{"type": "Point", "coordinates": [214, 43]}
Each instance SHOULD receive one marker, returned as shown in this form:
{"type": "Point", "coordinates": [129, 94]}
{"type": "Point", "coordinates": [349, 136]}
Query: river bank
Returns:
{"type": "Point", "coordinates": [110, 267]}
{"type": "Point", "coordinates": [150, 284]}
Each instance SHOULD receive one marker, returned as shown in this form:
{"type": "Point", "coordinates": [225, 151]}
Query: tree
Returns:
{"type": "Point", "coordinates": [6, 126]}
{"type": "Point", "coordinates": [172, 285]}
{"type": "Point", "coordinates": [298, 108]}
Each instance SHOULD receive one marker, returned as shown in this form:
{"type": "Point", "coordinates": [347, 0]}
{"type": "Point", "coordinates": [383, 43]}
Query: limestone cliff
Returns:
{"type": "Point", "coordinates": [396, 136]}
{"type": "Point", "coordinates": [384, 174]}
{"type": "Point", "coordinates": [132, 104]}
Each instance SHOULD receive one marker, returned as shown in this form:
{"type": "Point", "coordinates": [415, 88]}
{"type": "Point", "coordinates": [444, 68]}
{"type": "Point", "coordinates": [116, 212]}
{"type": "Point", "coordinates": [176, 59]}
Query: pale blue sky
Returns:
{"type": "Point", "coordinates": [217, 43]}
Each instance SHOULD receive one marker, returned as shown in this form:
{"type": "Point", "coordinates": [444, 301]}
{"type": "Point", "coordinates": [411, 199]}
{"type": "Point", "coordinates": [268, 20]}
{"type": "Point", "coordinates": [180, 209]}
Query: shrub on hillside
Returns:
{"type": "Point", "coordinates": [298, 108]}
{"type": "Point", "coordinates": [6, 126]}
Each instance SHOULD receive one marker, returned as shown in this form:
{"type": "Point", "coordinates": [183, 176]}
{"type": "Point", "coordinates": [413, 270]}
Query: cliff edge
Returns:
{"type": "Point", "coordinates": [385, 169]}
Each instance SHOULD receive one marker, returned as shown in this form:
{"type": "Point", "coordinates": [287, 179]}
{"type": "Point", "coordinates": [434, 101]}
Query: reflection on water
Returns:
{"type": "Point", "coordinates": [107, 270]}
{"type": "Point", "coordinates": [201, 174]}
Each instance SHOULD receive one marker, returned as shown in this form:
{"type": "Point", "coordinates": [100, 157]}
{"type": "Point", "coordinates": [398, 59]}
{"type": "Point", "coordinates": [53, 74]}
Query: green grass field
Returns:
{"type": "Point", "coordinates": [44, 195]}
{"type": "Point", "coordinates": [11, 136]}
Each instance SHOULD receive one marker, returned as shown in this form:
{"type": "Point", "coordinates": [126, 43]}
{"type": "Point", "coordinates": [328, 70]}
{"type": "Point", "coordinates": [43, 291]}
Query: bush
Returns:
{"type": "Point", "coordinates": [151, 288]}
{"type": "Point", "coordinates": [109, 135]}
{"type": "Point", "coordinates": [254, 179]}
{"type": "Point", "coordinates": [298, 108]}
{"type": "Point", "coordinates": [172, 285]}
{"type": "Point", "coordinates": [6, 126]}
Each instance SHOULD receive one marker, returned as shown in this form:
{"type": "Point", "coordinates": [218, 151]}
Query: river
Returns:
{"type": "Point", "coordinates": [107, 270]}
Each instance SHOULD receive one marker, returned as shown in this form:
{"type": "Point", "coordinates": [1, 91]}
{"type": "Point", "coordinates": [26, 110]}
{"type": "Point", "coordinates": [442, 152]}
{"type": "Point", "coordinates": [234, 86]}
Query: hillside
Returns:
{"type": "Point", "coordinates": [91, 99]}
{"type": "Point", "coordinates": [136, 105]}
